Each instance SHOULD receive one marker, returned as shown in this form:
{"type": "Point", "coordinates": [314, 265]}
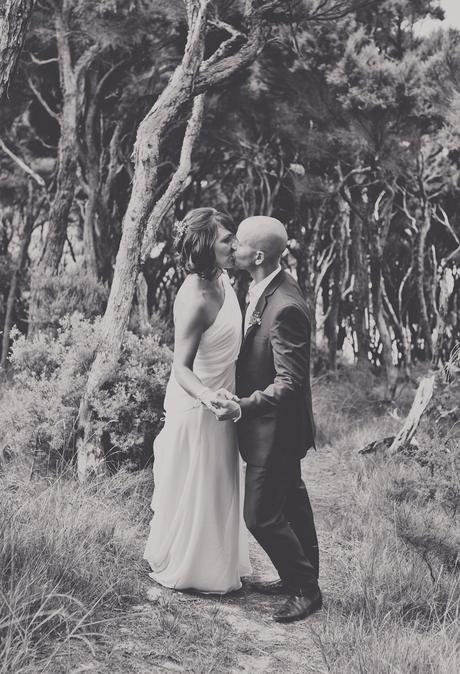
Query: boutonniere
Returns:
{"type": "Point", "coordinates": [256, 319]}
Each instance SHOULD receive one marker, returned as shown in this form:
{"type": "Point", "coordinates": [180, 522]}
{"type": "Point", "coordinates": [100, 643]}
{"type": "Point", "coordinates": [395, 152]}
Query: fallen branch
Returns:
{"type": "Point", "coordinates": [405, 437]}
{"type": "Point", "coordinates": [422, 398]}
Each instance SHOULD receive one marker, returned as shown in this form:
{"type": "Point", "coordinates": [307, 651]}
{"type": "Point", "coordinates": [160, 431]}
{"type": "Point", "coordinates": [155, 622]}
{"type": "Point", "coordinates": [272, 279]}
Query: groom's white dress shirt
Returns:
{"type": "Point", "coordinates": [254, 294]}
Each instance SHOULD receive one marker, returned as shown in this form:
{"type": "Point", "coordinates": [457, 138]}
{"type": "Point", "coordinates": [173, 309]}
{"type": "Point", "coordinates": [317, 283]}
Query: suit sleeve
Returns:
{"type": "Point", "coordinates": [290, 342]}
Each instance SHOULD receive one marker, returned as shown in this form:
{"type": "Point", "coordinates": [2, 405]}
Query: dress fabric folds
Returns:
{"type": "Point", "coordinates": [197, 535]}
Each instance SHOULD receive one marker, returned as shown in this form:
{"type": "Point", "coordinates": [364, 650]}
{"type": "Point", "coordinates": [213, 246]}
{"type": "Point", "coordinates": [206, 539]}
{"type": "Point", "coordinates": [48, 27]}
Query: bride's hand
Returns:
{"type": "Point", "coordinates": [223, 394]}
{"type": "Point", "coordinates": [210, 399]}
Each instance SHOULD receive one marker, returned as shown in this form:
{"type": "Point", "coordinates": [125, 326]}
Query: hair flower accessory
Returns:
{"type": "Point", "coordinates": [180, 228]}
{"type": "Point", "coordinates": [256, 319]}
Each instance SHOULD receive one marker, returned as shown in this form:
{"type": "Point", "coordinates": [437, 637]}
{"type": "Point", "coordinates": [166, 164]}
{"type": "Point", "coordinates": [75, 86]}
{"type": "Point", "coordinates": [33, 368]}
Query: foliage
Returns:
{"type": "Point", "coordinates": [69, 292]}
{"type": "Point", "coordinates": [39, 409]}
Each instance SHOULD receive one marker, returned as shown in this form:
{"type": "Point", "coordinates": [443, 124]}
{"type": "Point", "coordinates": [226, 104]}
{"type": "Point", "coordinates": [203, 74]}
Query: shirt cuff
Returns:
{"type": "Point", "coordinates": [239, 415]}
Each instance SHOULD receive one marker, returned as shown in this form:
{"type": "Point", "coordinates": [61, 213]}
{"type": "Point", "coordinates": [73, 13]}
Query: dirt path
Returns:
{"type": "Point", "coordinates": [260, 644]}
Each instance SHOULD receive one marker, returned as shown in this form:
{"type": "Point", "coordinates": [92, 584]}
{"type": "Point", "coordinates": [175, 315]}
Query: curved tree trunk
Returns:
{"type": "Point", "coordinates": [191, 77]}
{"type": "Point", "coordinates": [90, 459]}
{"type": "Point", "coordinates": [14, 20]}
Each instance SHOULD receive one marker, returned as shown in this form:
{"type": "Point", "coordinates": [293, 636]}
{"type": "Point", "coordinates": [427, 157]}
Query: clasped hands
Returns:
{"type": "Point", "coordinates": [223, 404]}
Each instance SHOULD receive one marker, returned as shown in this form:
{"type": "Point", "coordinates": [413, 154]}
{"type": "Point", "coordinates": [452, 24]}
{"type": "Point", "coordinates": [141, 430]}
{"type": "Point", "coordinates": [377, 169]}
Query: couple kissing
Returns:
{"type": "Point", "coordinates": [239, 387]}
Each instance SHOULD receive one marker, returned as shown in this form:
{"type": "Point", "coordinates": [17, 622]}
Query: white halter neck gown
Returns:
{"type": "Point", "coordinates": [197, 536]}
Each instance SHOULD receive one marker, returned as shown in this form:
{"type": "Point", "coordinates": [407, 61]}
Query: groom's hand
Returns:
{"type": "Point", "coordinates": [228, 409]}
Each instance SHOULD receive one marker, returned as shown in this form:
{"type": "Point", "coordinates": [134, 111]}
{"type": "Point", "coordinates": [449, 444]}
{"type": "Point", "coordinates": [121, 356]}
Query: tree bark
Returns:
{"type": "Point", "coordinates": [90, 459]}
{"type": "Point", "coordinates": [14, 20]}
{"type": "Point", "coordinates": [71, 78]}
{"type": "Point", "coordinates": [339, 278]}
{"type": "Point", "coordinates": [360, 293]}
{"type": "Point", "coordinates": [18, 268]}
{"type": "Point", "coordinates": [106, 212]}
{"type": "Point", "coordinates": [92, 162]}
{"type": "Point", "coordinates": [424, 220]}
{"type": "Point", "coordinates": [378, 237]}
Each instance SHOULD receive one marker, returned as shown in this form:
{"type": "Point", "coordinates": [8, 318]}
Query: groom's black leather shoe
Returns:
{"type": "Point", "coordinates": [299, 606]}
{"type": "Point", "coordinates": [272, 588]}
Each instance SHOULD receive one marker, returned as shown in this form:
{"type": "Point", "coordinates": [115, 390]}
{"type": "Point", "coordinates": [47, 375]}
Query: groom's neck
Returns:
{"type": "Point", "coordinates": [262, 271]}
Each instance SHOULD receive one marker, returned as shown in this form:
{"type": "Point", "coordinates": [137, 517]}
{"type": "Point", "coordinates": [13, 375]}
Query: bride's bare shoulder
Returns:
{"type": "Point", "coordinates": [192, 293]}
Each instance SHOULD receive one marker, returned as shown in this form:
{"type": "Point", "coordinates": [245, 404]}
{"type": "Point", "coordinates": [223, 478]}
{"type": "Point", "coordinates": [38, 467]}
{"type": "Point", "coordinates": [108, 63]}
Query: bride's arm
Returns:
{"type": "Point", "coordinates": [192, 319]}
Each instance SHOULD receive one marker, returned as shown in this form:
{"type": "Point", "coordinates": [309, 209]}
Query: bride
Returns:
{"type": "Point", "coordinates": [197, 538]}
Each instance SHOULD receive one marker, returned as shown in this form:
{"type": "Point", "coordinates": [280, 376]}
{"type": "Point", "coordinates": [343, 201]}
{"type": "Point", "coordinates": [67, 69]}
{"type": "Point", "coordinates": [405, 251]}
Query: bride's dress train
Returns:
{"type": "Point", "coordinates": [197, 536]}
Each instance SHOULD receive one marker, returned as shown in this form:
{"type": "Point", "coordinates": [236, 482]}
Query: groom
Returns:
{"type": "Point", "coordinates": [275, 417]}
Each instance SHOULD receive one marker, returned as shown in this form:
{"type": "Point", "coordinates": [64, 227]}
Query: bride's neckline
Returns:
{"type": "Point", "coordinates": [220, 308]}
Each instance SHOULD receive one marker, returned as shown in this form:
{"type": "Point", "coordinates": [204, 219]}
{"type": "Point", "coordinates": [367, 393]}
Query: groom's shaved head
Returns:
{"type": "Point", "coordinates": [264, 233]}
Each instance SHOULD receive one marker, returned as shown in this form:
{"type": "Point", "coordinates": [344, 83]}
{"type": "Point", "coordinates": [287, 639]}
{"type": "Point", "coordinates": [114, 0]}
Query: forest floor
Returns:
{"type": "Point", "coordinates": [132, 642]}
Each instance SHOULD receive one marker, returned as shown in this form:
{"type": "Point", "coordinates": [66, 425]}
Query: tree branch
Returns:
{"type": "Point", "coordinates": [39, 62]}
{"type": "Point", "coordinates": [40, 98]}
{"type": "Point", "coordinates": [177, 183]}
{"type": "Point", "coordinates": [38, 179]}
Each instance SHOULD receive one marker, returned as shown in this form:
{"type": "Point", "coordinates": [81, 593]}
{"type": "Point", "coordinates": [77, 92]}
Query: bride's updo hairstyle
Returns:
{"type": "Point", "coordinates": [196, 236]}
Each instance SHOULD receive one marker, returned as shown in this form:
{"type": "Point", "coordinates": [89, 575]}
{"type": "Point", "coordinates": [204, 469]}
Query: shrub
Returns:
{"type": "Point", "coordinates": [39, 410]}
{"type": "Point", "coordinates": [69, 292]}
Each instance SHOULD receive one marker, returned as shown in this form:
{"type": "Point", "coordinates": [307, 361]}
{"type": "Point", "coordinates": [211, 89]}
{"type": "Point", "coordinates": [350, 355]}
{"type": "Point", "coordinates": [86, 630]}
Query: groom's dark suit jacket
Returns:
{"type": "Point", "coordinates": [273, 377]}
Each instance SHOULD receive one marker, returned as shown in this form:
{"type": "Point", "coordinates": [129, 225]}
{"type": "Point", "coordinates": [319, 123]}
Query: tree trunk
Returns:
{"type": "Point", "coordinates": [92, 165]}
{"type": "Point", "coordinates": [143, 317]}
{"type": "Point", "coordinates": [147, 153]}
{"type": "Point", "coordinates": [18, 268]}
{"type": "Point", "coordinates": [339, 278]}
{"type": "Point", "coordinates": [446, 288]}
{"type": "Point", "coordinates": [191, 77]}
{"type": "Point", "coordinates": [107, 240]}
{"type": "Point", "coordinates": [389, 367]}
{"type": "Point", "coordinates": [424, 220]}
{"type": "Point", "coordinates": [89, 243]}
{"type": "Point", "coordinates": [14, 19]}
{"type": "Point", "coordinates": [399, 329]}
{"type": "Point", "coordinates": [378, 237]}
{"type": "Point", "coordinates": [67, 153]}
{"type": "Point", "coordinates": [70, 81]}
{"type": "Point", "coordinates": [307, 268]}
{"type": "Point", "coordinates": [360, 294]}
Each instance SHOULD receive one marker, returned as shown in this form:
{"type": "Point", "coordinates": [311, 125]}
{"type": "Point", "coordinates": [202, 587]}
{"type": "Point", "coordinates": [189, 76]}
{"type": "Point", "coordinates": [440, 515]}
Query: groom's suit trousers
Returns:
{"type": "Point", "coordinates": [278, 513]}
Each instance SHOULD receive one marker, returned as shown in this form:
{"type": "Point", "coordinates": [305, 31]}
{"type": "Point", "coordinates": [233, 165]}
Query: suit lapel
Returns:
{"type": "Point", "coordinates": [262, 303]}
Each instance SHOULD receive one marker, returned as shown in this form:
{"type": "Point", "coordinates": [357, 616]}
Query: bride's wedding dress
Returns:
{"type": "Point", "coordinates": [197, 536]}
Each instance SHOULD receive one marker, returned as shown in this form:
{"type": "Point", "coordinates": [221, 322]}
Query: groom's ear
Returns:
{"type": "Point", "coordinates": [260, 256]}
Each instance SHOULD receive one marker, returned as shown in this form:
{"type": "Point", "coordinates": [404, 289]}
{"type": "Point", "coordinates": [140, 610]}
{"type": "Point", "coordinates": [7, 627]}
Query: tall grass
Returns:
{"type": "Point", "coordinates": [69, 554]}
{"type": "Point", "coordinates": [393, 588]}
{"type": "Point", "coordinates": [70, 557]}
